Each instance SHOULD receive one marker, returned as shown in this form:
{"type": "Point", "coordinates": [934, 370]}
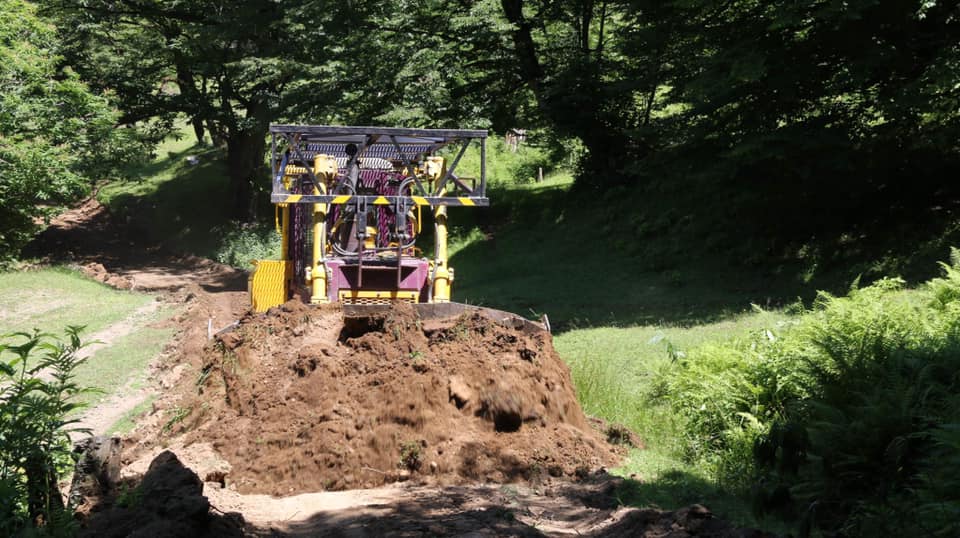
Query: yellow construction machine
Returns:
{"type": "Point", "coordinates": [350, 204]}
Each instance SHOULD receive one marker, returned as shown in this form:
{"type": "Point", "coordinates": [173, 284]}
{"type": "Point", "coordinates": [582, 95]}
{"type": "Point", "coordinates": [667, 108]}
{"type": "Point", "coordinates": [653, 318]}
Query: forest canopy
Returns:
{"type": "Point", "coordinates": [796, 119]}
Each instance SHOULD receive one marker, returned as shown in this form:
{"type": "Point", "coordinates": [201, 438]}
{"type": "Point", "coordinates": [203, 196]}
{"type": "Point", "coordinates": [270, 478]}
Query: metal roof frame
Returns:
{"type": "Point", "coordinates": [449, 190]}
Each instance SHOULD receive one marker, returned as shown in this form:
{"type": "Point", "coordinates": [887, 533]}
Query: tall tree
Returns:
{"type": "Point", "coordinates": [56, 136]}
{"type": "Point", "coordinates": [231, 68]}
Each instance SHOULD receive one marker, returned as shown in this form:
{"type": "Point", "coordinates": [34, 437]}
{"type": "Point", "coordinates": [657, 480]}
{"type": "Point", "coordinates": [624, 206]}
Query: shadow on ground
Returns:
{"type": "Point", "coordinates": [538, 255]}
{"type": "Point", "coordinates": [112, 253]}
{"type": "Point", "coordinates": [171, 500]}
{"type": "Point", "coordinates": [420, 518]}
{"type": "Point", "coordinates": [601, 259]}
{"type": "Point", "coordinates": [181, 213]}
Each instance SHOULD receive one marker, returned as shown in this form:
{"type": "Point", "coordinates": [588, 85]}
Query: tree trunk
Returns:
{"type": "Point", "coordinates": [245, 152]}
{"type": "Point", "coordinates": [604, 146]}
{"type": "Point", "coordinates": [525, 48]}
{"type": "Point", "coordinates": [198, 129]}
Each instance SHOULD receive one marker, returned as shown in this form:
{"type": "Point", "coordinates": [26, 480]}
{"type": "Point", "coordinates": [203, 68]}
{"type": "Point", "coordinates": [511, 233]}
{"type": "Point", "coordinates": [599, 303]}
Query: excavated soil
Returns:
{"type": "Point", "coordinates": [298, 400]}
{"type": "Point", "coordinates": [295, 393]}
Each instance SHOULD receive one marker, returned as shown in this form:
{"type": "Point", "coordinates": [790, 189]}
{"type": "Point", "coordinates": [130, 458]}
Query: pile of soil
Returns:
{"type": "Point", "coordinates": [299, 399]}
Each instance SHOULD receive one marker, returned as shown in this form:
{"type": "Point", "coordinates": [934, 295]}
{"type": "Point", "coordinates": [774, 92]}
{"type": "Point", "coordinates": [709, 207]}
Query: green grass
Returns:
{"type": "Point", "coordinates": [542, 252]}
{"type": "Point", "coordinates": [110, 368]}
{"type": "Point", "coordinates": [615, 370]}
{"type": "Point", "coordinates": [505, 167]}
{"type": "Point", "coordinates": [172, 202]}
{"type": "Point", "coordinates": [128, 422]}
{"type": "Point", "coordinates": [50, 299]}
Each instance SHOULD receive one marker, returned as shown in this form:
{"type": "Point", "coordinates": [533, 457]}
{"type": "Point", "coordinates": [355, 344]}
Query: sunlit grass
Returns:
{"type": "Point", "coordinates": [614, 368]}
{"type": "Point", "coordinates": [110, 368]}
{"type": "Point", "coordinates": [615, 371]}
{"type": "Point", "coordinates": [129, 421]}
{"type": "Point", "coordinates": [53, 298]}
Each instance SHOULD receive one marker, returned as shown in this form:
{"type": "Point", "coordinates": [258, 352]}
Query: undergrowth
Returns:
{"type": "Point", "coordinates": [241, 244]}
{"type": "Point", "coordinates": [37, 394]}
{"type": "Point", "coordinates": [845, 421]}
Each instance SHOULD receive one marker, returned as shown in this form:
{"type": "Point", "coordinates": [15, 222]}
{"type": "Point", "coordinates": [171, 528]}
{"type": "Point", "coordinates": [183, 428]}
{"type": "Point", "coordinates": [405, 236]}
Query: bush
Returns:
{"type": "Point", "coordinates": [242, 243]}
{"type": "Point", "coordinates": [36, 393]}
{"type": "Point", "coordinates": [56, 136]}
{"type": "Point", "coordinates": [848, 420]}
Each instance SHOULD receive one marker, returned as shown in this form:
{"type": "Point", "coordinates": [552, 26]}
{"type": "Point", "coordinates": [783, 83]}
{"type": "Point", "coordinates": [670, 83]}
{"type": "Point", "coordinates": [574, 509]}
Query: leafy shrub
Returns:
{"type": "Point", "coordinates": [243, 243]}
{"type": "Point", "coordinates": [36, 392]}
{"type": "Point", "coordinates": [847, 420]}
{"type": "Point", "coordinates": [411, 455]}
{"type": "Point", "coordinates": [56, 136]}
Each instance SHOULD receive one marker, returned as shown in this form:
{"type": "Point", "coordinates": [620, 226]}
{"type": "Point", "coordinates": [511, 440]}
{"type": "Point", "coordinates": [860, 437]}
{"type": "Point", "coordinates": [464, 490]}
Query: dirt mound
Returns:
{"type": "Point", "coordinates": [99, 273]}
{"type": "Point", "coordinates": [300, 400]}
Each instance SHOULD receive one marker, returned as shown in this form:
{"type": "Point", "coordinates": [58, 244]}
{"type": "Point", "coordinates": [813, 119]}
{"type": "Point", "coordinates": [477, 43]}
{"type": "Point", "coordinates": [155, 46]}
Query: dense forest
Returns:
{"type": "Point", "coordinates": [793, 124]}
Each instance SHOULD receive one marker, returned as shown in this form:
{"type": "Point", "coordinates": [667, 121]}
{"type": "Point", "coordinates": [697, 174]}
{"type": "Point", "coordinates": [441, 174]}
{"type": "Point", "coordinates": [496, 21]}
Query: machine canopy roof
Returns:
{"type": "Point", "coordinates": [333, 134]}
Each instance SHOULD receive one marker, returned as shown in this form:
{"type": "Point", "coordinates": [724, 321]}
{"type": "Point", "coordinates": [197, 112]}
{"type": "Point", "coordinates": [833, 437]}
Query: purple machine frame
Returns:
{"type": "Point", "coordinates": [377, 277]}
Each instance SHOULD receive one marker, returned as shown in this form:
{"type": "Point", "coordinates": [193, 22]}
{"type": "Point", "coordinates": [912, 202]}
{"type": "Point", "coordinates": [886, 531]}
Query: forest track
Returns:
{"type": "Point", "coordinates": [86, 237]}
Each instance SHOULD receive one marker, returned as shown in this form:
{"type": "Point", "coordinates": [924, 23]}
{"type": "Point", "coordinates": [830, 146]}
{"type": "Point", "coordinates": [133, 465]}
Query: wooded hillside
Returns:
{"type": "Point", "coordinates": [812, 124]}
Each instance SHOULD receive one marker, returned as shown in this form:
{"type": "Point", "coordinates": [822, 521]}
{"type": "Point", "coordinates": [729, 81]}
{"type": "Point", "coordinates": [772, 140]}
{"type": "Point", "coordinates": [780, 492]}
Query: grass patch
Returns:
{"type": "Point", "coordinates": [616, 371]}
{"type": "Point", "coordinates": [129, 421]}
{"type": "Point", "coordinates": [52, 298]}
{"type": "Point", "coordinates": [506, 167]}
{"type": "Point", "coordinates": [110, 368]}
{"type": "Point", "coordinates": [171, 201]}
{"type": "Point", "coordinates": [534, 251]}
{"type": "Point", "coordinates": [614, 368]}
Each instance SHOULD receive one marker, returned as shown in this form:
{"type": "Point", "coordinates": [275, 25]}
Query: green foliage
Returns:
{"type": "Point", "coordinates": [36, 395]}
{"type": "Point", "coordinates": [411, 455]}
{"type": "Point", "coordinates": [240, 244]}
{"type": "Point", "coordinates": [129, 497]}
{"type": "Point", "coordinates": [505, 166]}
{"type": "Point", "coordinates": [844, 420]}
{"type": "Point", "coordinates": [176, 416]}
{"type": "Point", "coordinates": [230, 71]}
{"type": "Point", "coordinates": [826, 129]}
{"type": "Point", "coordinates": [56, 136]}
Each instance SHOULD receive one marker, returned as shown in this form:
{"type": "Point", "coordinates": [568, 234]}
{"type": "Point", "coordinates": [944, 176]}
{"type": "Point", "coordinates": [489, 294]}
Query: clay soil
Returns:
{"type": "Point", "coordinates": [299, 400]}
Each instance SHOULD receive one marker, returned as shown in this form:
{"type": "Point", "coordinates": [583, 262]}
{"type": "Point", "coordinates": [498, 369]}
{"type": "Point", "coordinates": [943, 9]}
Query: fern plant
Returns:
{"type": "Point", "coordinates": [36, 397]}
{"type": "Point", "coordinates": [852, 413]}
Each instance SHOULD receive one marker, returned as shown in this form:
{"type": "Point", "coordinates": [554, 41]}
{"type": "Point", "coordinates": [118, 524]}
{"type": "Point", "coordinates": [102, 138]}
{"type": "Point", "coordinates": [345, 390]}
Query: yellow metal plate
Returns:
{"type": "Point", "coordinates": [268, 284]}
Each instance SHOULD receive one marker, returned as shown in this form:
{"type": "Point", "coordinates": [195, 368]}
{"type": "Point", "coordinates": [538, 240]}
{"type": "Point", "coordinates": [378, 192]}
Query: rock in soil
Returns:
{"type": "Point", "coordinates": [167, 502]}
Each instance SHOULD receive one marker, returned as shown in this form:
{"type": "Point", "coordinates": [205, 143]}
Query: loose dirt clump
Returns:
{"type": "Point", "coordinates": [299, 400]}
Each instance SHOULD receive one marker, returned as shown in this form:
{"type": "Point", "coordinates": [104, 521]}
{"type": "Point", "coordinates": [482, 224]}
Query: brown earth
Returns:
{"type": "Point", "coordinates": [296, 401]}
